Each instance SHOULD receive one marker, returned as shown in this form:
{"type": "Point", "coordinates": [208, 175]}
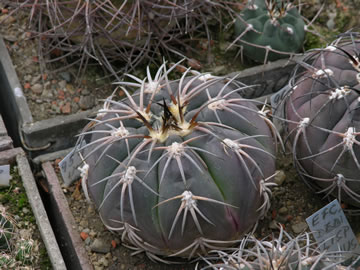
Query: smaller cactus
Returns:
{"type": "Point", "coordinates": [24, 248]}
{"type": "Point", "coordinates": [282, 252]}
{"type": "Point", "coordinates": [7, 229]}
{"type": "Point", "coordinates": [6, 261]}
{"type": "Point", "coordinates": [270, 30]}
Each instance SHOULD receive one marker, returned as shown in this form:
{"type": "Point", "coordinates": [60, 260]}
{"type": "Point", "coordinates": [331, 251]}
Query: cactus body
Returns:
{"type": "Point", "coordinates": [323, 119]}
{"type": "Point", "coordinates": [282, 252]}
{"type": "Point", "coordinates": [270, 27]}
{"type": "Point", "coordinates": [6, 230]}
{"type": "Point", "coordinates": [179, 167]}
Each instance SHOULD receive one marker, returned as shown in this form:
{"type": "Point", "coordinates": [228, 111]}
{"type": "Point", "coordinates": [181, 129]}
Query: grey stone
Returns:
{"type": "Point", "coordinates": [27, 77]}
{"type": "Point", "coordinates": [37, 88]}
{"type": "Point", "coordinates": [86, 102]}
{"type": "Point", "coordinates": [279, 177]}
{"type": "Point", "coordinates": [100, 246]}
{"type": "Point", "coordinates": [103, 261]}
{"type": "Point", "coordinates": [62, 84]}
{"type": "Point", "coordinates": [66, 76]}
{"type": "Point", "coordinates": [47, 85]}
{"type": "Point", "coordinates": [87, 241]}
{"type": "Point", "coordinates": [283, 210]}
{"type": "Point", "coordinates": [36, 79]}
{"type": "Point", "coordinates": [274, 225]}
{"type": "Point", "coordinates": [299, 227]}
{"type": "Point", "coordinates": [85, 92]}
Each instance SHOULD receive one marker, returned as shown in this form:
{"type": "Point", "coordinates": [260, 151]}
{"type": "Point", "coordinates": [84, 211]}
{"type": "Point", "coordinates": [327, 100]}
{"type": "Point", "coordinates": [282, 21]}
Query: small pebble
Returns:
{"type": "Point", "coordinates": [100, 246]}
{"type": "Point", "coordinates": [62, 84]}
{"type": "Point", "coordinates": [299, 227]}
{"type": "Point", "coordinates": [27, 77]}
{"type": "Point", "coordinates": [279, 177]}
{"type": "Point", "coordinates": [283, 210]}
{"type": "Point", "coordinates": [66, 76]}
{"type": "Point", "coordinates": [7, 19]}
{"type": "Point", "coordinates": [36, 79]}
{"type": "Point", "coordinates": [37, 88]}
{"type": "Point", "coordinates": [66, 109]}
{"type": "Point", "coordinates": [274, 225]}
{"type": "Point", "coordinates": [87, 241]}
{"type": "Point", "coordinates": [84, 223]}
{"type": "Point", "coordinates": [86, 102]}
{"type": "Point", "coordinates": [103, 261]}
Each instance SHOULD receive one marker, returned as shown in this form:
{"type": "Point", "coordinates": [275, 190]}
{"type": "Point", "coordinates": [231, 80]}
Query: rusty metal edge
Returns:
{"type": "Point", "coordinates": [39, 212]}
{"type": "Point", "coordinates": [73, 248]}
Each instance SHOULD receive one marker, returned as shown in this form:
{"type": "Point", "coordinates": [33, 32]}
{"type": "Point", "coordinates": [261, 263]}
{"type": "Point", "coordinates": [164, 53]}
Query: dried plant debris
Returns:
{"type": "Point", "coordinates": [127, 32]}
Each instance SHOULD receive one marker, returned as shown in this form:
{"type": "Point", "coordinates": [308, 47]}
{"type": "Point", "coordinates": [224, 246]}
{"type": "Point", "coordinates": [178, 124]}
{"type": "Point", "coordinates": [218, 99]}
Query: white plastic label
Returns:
{"type": "Point", "coordinates": [331, 229]}
{"type": "Point", "coordinates": [5, 175]}
{"type": "Point", "coordinates": [69, 164]}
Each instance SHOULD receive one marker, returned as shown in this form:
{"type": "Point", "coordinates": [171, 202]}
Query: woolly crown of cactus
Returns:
{"type": "Point", "coordinates": [270, 30]}
{"type": "Point", "coordinates": [322, 109]}
{"type": "Point", "coordinates": [179, 166]}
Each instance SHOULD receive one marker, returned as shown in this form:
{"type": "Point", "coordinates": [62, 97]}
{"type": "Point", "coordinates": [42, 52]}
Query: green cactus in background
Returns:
{"type": "Point", "coordinates": [179, 167]}
{"type": "Point", "coordinates": [24, 249]}
{"type": "Point", "coordinates": [6, 261]}
{"type": "Point", "coordinates": [270, 30]}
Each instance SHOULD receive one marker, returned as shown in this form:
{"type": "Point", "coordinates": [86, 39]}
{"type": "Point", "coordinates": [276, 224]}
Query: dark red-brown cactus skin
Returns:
{"type": "Point", "coordinates": [322, 111]}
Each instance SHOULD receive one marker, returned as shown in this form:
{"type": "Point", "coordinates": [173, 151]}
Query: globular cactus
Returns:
{"type": "Point", "coordinates": [7, 229]}
{"type": "Point", "coordinates": [7, 261]}
{"type": "Point", "coordinates": [269, 30]}
{"type": "Point", "coordinates": [179, 167]}
{"type": "Point", "coordinates": [24, 250]}
{"type": "Point", "coordinates": [282, 252]}
{"type": "Point", "coordinates": [322, 111]}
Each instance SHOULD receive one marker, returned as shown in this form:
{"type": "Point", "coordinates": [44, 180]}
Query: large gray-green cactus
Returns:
{"type": "Point", "coordinates": [179, 167]}
{"type": "Point", "coordinates": [323, 118]}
